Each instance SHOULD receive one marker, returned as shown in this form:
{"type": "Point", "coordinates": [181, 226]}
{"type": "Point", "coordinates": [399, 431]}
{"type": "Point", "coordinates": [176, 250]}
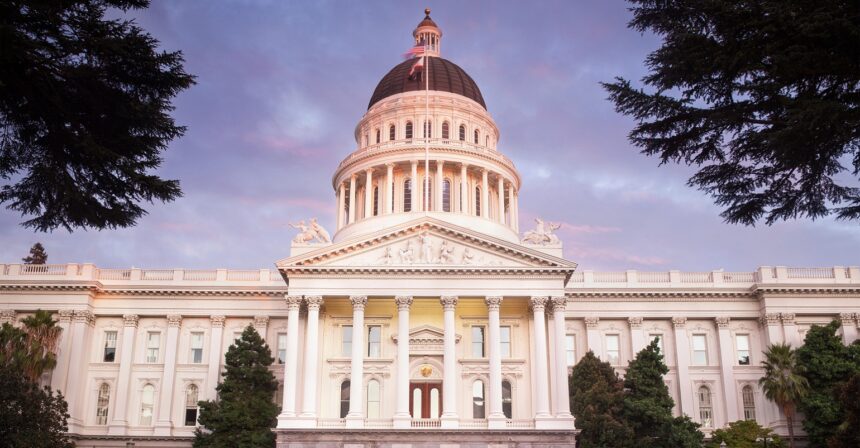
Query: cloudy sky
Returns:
{"type": "Point", "coordinates": [281, 85]}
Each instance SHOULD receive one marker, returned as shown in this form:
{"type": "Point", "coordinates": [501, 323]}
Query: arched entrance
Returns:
{"type": "Point", "coordinates": [425, 388]}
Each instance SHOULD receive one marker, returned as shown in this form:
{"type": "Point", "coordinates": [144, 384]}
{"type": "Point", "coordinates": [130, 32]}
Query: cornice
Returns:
{"type": "Point", "coordinates": [166, 290]}
{"type": "Point", "coordinates": [761, 290]}
{"type": "Point", "coordinates": [660, 295]}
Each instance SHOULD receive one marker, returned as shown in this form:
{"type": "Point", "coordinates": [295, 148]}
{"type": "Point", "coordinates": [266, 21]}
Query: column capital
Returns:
{"type": "Point", "coordinates": [493, 302]}
{"type": "Point", "coordinates": [314, 302]}
{"type": "Point", "coordinates": [403, 302]}
{"type": "Point", "coordinates": [679, 322]}
{"type": "Point", "coordinates": [538, 303]}
{"type": "Point", "coordinates": [449, 302]}
{"type": "Point", "coordinates": [353, 176]}
{"type": "Point", "coordinates": [130, 320]}
{"type": "Point", "coordinates": [217, 321]}
{"type": "Point", "coordinates": [389, 164]}
{"type": "Point", "coordinates": [293, 302]}
{"type": "Point", "coordinates": [85, 316]}
{"type": "Point", "coordinates": [847, 318]}
{"type": "Point", "coordinates": [559, 303]}
{"type": "Point", "coordinates": [261, 321]}
{"type": "Point", "coordinates": [368, 170]}
{"type": "Point", "coordinates": [635, 321]}
{"type": "Point", "coordinates": [722, 321]}
{"type": "Point", "coordinates": [358, 302]}
{"type": "Point", "coordinates": [174, 320]}
{"type": "Point", "coordinates": [787, 318]}
{"type": "Point", "coordinates": [464, 165]}
{"type": "Point", "coordinates": [591, 321]}
{"type": "Point", "coordinates": [414, 163]}
{"type": "Point", "coordinates": [8, 316]}
{"type": "Point", "coordinates": [65, 315]}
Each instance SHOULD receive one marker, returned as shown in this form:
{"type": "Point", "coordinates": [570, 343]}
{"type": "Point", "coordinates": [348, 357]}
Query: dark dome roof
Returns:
{"type": "Point", "coordinates": [445, 76]}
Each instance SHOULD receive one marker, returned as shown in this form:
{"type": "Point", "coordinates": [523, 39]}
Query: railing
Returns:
{"type": "Point", "coordinates": [243, 275]}
{"type": "Point", "coordinates": [610, 277]}
{"type": "Point", "coordinates": [654, 277]}
{"type": "Point", "coordinates": [43, 269]}
{"type": "Point", "coordinates": [331, 423]}
{"type": "Point", "coordinates": [426, 423]}
{"type": "Point", "coordinates": [156, 274]}
{"type": "Point", "coordinates": [520, 424]}
{"type": "Point", "coordinates": [114, 274]}
{"type": "Point", "coordinates": [739, 277]}
{"type": "Point", "coordinates": [718, 278]}
{"type": "Point", "coordinates": [199, 275]}
{"type": "Point", "coordinates": [378, 423]}
{"type": "Point", "coordinates": [697, 277]}
{"type": "Point", "coordinates": [810, 272]}
{"type": "Point", "coordinates": [473, 424]}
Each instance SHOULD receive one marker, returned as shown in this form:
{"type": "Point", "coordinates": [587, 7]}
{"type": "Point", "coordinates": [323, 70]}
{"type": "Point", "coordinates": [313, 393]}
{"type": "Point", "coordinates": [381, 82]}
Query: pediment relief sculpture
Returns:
{"type": "Point", "coordinates": [428, 249]}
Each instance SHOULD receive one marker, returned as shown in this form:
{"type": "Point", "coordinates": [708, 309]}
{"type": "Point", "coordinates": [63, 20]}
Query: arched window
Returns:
{"type": "Point", "coordinates": [376, 201]}
{"type": "Point", "coordinates": [102, 404]}
{"type": "Point", "coordinates": [507, 399]}
{"type": "Point", "coordinates": [407, 195]}
{"type": "Point", "coordinates": [477, 201]}
{"type": "Point", "coordinates": [446, 195]}
{"type": "Point", "coordinates": [391, 199]}
{"type": "Point", "coordinates": [344, 398]}
{"type": "Point", "coordinates": [191, 398]}
{"type": "Point", "coordinates": [345, 206]}
{"type": "Point", "coordinates": [749, 402]}
{"type": "Point", "coordinates": [428, 129]}
{"type": "Point", "coordinates": [476, 136]}
{"type": "Point", "coordinates": [408, 130]}
{"type": "Point", "coordinates": [373, 399]}
{"type": "Point", "coordinates": [478, 408]}
{"type": "Point", "coordinates": [428, 193]}
{"type": "Point", "coordinates": [378, 136]}
{"type": "Point", "coordinates": [705, 408]}
{"type": "Point", "coordinates": [487, 139]}
{"type": "Point", "coordinates": [445, 130]}
{"type": "Point", "coordinates": [462, 132]}
{"type": "Point", "coordinates": [147, 398]}
{"type": "Point", "coordinates": [391, 132]}
{"type": "Point", "coordinates": [366, 139]}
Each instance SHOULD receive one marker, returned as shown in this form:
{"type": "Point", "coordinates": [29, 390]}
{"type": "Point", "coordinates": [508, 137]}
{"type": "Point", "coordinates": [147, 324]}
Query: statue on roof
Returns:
{"type": "Point", "coordinates": [542, 234]}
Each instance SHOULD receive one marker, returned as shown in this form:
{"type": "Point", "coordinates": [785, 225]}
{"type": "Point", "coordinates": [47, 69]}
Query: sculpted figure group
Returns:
{"type": "Point", "coordinates": [312, 232]}
{"type": "Point", "coordinates": [542, 233]}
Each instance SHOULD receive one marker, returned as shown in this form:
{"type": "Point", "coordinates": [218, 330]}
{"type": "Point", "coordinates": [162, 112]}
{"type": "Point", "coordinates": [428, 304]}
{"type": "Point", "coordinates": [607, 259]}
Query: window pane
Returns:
{"type": "Point", "coordinates": [699, 342]}
{"type": "Point", "coordinates": [346, 337]}
{"type": "Point", "coordinates": [477, 342]}
{"type": "Point", "coordinates": [372, 399]}
{"type": "Point", "coordinates": [570, 349]}
{"type": "Point", "coordinates": [505, 333]}
{"type": "Point", "coordinates": [416, 403]}
{"type": "Point", "coordinates": [612, 342]}
{"type": "Point", "coordinates": [344, 399]}
{"type": "Point", "coordinates": [102, 405]}
{"type": "Point", "coordinates": [434, 402]}
{"type": "Point", "coordinates": [110, 346]}
{"type": "Point", "coordinates": [478, 399]}
{"type": "Point", "coordinates": [507, 399]}
{"type": "Point", "coordinates": [407, 195]}
{"type": "Point", "coordinates": [374, 339]}
{"type": "Point", "coordinates": [152, 344]}
{"type": "Point", "coordinates": [146, 400]}
{"type": "Point", "coordinates": [446, 195]}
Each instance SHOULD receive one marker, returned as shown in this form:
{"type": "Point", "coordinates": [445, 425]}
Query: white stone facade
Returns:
{"type": "Point", "coordinates": [454, 328]}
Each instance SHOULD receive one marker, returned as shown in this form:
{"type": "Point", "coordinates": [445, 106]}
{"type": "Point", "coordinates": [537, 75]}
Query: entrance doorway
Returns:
{"type": "Point", "coordinates": [425, 400]}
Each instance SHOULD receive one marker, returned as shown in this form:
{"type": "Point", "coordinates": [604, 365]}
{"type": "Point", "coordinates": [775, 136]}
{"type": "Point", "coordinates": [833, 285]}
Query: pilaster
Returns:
{"type": "Point", "coordinates": [682, 354]}
{"type": "Point", "coordinates": [727, 364]}
{"type": "Point", "coordinates": [402, 418]}
{"type": "Point", "coordinates": [637, 335]}
{"type": "Point", "coordinates": [163, 422]}
{"type": "Point", "coordinates": [120, 408]}
{"type": "Point", "coordinates": [213, 372]}
{"type": "Point", "coordinates": [849, 327]}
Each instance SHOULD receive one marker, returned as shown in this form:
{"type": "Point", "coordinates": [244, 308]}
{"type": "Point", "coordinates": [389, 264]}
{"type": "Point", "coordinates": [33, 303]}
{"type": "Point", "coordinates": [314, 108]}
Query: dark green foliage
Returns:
{"type": "Point", "coordinates": [783, 382]}
{"type": "Point", "coordinates": [30, 416]}
{"type": "Point", "coordinates": [597, 401]}
{"type": "Point", "coordinates": [762, 97]}
{"type": "Point", "coordinates": [848, 433]}
{"type": "Point", "coordinates": [244, 413]}
{"type": "Point", "coordinates": [743, 434]}
{"type": "Point", "coordinates": [827, 366]}
{"type": "Point", "coordinates": [37, 255]}
{"type": "Point", "coordinates": [648, 406]}
{"type": "Point", "coordinates": [84, 105]}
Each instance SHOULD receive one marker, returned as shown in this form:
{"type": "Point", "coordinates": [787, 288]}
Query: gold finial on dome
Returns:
{"type": "Point", "coordinates": [427, 12]}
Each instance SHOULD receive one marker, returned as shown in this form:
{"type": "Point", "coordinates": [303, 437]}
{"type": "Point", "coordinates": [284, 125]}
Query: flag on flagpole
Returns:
{"type": "Point", "coordinates": [416, 51]}
{"type": "Point", "coordinates": [417, 66]}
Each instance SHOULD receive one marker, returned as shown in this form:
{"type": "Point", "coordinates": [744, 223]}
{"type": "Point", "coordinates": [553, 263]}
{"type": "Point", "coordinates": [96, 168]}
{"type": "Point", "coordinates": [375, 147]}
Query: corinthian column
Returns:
{"type": "Point", "coordinates": [368, 193]}
{"type": "Point", "coordinates": [538, 305]}
{"type": "Point", "coordinates": [485, 194]}
{"type": "Point", "coordinates": [352, 199]}
{"type": "Point", "coordinates": [309, 395]}
{"type": "Point", "coordinates": [501, 191]}
{"type": "Point", "coordinates": [355, 417]}
{"type": "Point", "coordinates": [496, 419]}
{"type": "Point", "coordinates": [464, 188]}
{"type": "Point", "coordinates": [559, 305]}
{"type": "Point", "coordinates": [449, 382]}
{"type": "Point", "coordinates": [288, 409]}
{"type": "Point", "coordinates": [389, 188]}
{"type": "Point", "coordinates": [401, 415]}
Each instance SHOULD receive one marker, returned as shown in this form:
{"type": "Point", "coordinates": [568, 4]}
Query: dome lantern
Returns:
{"type": "Point", "coordinates": [429, 33]}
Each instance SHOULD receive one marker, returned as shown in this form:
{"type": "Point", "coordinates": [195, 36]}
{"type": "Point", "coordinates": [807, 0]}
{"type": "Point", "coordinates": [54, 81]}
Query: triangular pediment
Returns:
{"type": "Point", "coordinates": [425, 243]}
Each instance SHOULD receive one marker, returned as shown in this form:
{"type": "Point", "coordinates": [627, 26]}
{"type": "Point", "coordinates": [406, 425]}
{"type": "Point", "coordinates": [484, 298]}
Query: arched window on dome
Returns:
{"type": "Point", "coordinates": [507, 399]}
{"type": "Point", "coordinates": [446, 195]}
{"type": "Point", "coordinates": [478, 408]}
{"type": "Point", "coordinates": [477, 201]}
{"type": "Point", "coordinates": [749, 402]}
{"type": "Point", "coordinates": [376, 201]}
{"type": "Point", "coordinates": [366, 139]}
{"type": "Point", "coordinates": [407, 195]}
{"type": "Point", "coordinates": [391, 132]}
{"type": "Point", "coordinates": [706, 414]}
{"type": "Point", "coordinates": [102, 404]}
{"type": "Point", "coordinates": [462, 132]}
{"type": "Point", "coordinates": [344, 398]}
{"type": "Point", "coordinates": [446, 131]}
{"type": "Point", "coordinates": [487, 139]}
{"type": "Point", "coordinates": [428, 129]}
{"type": "Point", "coordinates": [378, 136]}
{"type": "Point", "coordinates": [476, 136]}
{"type": "Point", "coordinates": [408, 130]}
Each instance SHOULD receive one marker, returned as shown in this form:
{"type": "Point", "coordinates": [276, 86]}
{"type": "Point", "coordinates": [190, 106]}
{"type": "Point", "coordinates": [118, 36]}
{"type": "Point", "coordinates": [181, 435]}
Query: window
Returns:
{"type": "Point", "coordinates": [102, 404]}
{"type": "Point", "coordinates": [378, 136]}
{"type": "Point", "coordinates": [428, 192]}
{"type": "Point", "coordinates": [445, 130]}
{"type": "Point", "coordinates": [705, 409]}
{"type": "Point", "coordinates": [743, 346]}
{"type": "Point", "coordinates": [407, 195]}
{"type": "Point", "coordinates": [346, 205]}
{"type": "Point", "coordinates": [659, 338]}
{"type": "Point", "coordinates": [477, 342]}
{"type": "Point", "coordinates": [282, 348]}
{"type": "Point", "coordinates": [376, 201]}
{"type": "Point", "coordinates": [391, 132]}
{"type": "Point", "coordinates": [197, 347]}
{"type": "Point", "coordinates": [374, 341]}
{"type": "Point", "coordinates": [446, 195]}
{"type": "Point", "coordinates": [153, 341]}
{"type": "Point", "coordinates": [507, 399]}
{"type": "Point", "coordinates": [505, 341]}
{"type": "Point", "coordinates": [408, 130]}
{"type": "Point", "coordinates": [191, 394]}
{"type": "Point", "coordinates": [366, 139]}
{"type": "Point", "coordinates": [749, 402]}
{"type": "Point", "coordinates": [477, 201]}
{"type": "Point", "coordinates": [344, 398]}
{"type": "Point", "coordinates": [462, 133]}
{"type": "Point", "coordinates": [373, 399]}
{"type": "Point", "coordinates": [612, 350]}
{"type": "Point", "coordinates": [700, 350]}
{"type": "Point", "coordinates": [110, 346]}
{"type": "Point", "coordinates": [428, 129]}
{"type": "Point", "coordinates": [346, 339]}
{"type": "Point", "coordinates": [476, 136]}
{"type": "Point", "coordinates": [478, 407]}
{"type": "Point", "coordinates": [147, 397]}
{"type": "Point", "coordinates": [570, 349]}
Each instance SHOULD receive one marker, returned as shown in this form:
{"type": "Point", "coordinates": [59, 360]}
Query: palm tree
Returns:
{"type": "Point", "coordinates": [783, 382]}
{"type": "Point", "coordinates": [41, 343]}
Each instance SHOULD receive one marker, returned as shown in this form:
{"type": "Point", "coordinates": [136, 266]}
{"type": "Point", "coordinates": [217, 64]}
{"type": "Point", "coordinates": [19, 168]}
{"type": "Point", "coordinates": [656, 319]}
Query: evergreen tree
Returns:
{"type": "Point", "coordinates": [84, 113]}
{"type": "Point", "coordinates": [761, 96]}
{"type": "Point", "coordinates": [783, 382]}
{"type": "Point", "coordinates": [37, 255]}
{"type": "Point", "coordinates": [848, 433]}
{"type": "Point", "coordinates": [827, 366]}
{"type": "Point", "coordinates": [597, 402]}
{"type": "Point", "coordinates": [648, 406]}
{"type": "Point", "coordinates": [745, 434]}
{"type": "Point", "coordinates": [243, 414]}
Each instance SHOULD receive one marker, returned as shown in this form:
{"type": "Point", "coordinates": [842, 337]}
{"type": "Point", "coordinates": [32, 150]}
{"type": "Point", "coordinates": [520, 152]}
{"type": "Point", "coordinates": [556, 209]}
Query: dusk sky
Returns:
{"type": "Point", "coordinates": [282, 84]}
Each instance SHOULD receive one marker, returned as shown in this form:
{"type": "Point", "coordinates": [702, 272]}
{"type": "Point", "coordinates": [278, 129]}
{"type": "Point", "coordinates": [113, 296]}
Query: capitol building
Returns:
{"type": "Point", "coordinates": [430, 315]}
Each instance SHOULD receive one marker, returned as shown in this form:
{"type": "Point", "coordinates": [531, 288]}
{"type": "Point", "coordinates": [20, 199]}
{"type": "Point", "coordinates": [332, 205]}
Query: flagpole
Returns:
{"type": "Point", "coordinates": [427, 130]}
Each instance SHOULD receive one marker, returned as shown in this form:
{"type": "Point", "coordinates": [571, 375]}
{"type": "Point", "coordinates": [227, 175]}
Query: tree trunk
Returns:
{"type": "Point", "coordinates": [790, 420]}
